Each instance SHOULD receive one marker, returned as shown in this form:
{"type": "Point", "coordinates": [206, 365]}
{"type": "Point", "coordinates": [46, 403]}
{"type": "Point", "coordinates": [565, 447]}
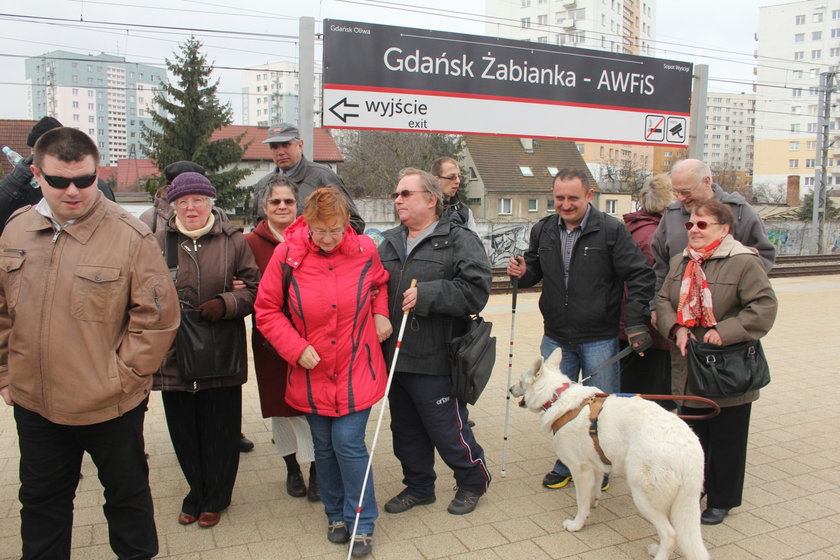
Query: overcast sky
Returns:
{"type": "Point", "coordinates": [715, 32]}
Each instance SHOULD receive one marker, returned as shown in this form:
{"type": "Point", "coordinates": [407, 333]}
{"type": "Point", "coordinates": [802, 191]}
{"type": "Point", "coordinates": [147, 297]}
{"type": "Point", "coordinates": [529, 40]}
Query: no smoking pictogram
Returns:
{"type": "Point", "coordinates": [654, 128]}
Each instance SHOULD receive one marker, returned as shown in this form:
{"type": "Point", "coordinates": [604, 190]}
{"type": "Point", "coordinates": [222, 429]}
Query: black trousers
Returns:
{"type": "Point", "coordinates": [205, 427]}
{"type": "Point", "coordinates": [724, 441]}
{"type": "Point", "coordinates": [425, 417]}
{"type": "Point", "coordinates": [50, 459]}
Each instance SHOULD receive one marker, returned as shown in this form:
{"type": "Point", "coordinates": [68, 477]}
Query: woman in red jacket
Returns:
{"type": "Point", "coordinates": [289, 429]}
{"type": "Point", "coordinates": [330, 335]}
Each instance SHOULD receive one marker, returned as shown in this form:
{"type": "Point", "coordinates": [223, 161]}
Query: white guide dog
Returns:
{"type": "Point", "coordinates": [658, 453]}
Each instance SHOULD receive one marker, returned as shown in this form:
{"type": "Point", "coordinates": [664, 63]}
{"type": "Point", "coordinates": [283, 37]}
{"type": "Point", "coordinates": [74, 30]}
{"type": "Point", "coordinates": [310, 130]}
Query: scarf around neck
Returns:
{"type": "Point", "coordinates": [695, 305]}
{"type": "Point", "coordinates": [196, 233]}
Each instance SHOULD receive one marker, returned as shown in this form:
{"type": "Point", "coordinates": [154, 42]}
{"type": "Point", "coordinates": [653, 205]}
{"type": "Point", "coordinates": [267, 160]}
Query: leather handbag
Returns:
{"type": "Point", "coordinates": [472, 357]}
{"type": "Point", "coordinates": [207, 350]}
{"type": "Point", "coordinates": [726, 371]}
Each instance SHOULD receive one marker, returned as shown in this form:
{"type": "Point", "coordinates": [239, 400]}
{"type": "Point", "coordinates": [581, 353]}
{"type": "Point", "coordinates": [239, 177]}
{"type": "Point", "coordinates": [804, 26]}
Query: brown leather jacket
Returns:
{"type": "Point", "coordinates": [206, 269]}
{"type": "Point", "coordinates": [85, 314]}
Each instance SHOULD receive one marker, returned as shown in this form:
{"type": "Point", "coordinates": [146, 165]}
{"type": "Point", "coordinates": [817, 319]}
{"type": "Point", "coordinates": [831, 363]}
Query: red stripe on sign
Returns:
{"type": "Point", "coordinates": [399, 91]}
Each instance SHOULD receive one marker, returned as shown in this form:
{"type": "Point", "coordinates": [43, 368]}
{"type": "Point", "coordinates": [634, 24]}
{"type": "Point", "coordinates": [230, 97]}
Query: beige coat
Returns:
{"type": "Point", "coordinates": [86, 315]}
{"type": "Point", "coordinates": [743, 300]}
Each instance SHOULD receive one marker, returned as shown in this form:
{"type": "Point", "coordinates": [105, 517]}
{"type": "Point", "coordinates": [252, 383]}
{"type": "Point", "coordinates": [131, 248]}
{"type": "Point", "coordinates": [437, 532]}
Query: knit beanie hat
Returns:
{"type": "Point", "coordinates": [44, 125]}
{"type": "Point", "coordinates": [189, 183]}
{"type": "Point", "coordinates": [174, 169]}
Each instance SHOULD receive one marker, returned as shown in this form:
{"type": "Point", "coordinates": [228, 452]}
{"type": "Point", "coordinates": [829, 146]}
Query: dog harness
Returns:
{"type": "Point", "coordinates": [595, 405]}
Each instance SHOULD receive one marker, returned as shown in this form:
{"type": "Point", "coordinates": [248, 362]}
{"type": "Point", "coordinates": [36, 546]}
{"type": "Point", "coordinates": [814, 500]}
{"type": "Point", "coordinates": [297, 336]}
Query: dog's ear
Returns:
{"type": "Point", "coordinates": [537, 367]}
{"type": "Point", "coordinates": [554, 359]}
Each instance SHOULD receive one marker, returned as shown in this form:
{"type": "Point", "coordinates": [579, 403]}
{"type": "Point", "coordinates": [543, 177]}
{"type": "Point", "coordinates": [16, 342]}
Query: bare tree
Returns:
{"type": "Point", "coordinates": [624, 175]}
{"type": "Point", "coordinates": [764, 193]}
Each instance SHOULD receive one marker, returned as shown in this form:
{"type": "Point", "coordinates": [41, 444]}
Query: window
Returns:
{"type": "Point", "coordinates": [816, 54]}
{"type": "Point", "coordinates": [797, 74]}
{"type": "Point", "coordinates": [834, 52]}
{"type": "Point", "coordinates": [542, 19]}
{"type": "Point", "coordinates": [812, 145]}
{"type": "Point", "coordinates": [526, 22]}
{"type": "Point", "coordinates": [793, 146]}
{"type": "Point", "coordinates": [526, 3]}
{"type": "Point", "coordinates": [816, 35]}
{"type": "Point", "coordinates": [810, 163]}
{"type": "Point", "coordinates": [812, 127]}
{"type": "Point", "coordinates": [813, 90]}
{"type": "Point", "coordinates": [798, 55]}
{"type": "Point", "coordinates": [795, 127]}
{"type": "Point", "coordinates": [609, 206]}
{"type": "Point", "coordinates": [75, 104]}
{"type": "Point", "coordinates": [526, 171]}
{"type": "Point", "coordinates": [505, 206]}
{"type": "Point", "coordinates": [793, 163]}
{"type": "Point", "coordinates": [799, 38]}
{"type": "Point", "coordinates": [817, 18]}
{"type": "Point", "coordinates": [549, 205]}
{"type": "Point", "coordinates": [542, 39]}
{"type": "Point", "coordinates": [800, 20]}
{"type": "Point", "coordinates": [581, 148]}
{"type": "Point", "coordinates": [532, 205]}
{"type": "Point", "coordinates": [835, 14]}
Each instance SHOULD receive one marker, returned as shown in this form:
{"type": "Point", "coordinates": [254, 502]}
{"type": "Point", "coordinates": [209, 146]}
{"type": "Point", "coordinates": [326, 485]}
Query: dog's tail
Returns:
{"type": "Point", "coordinates": [685, 517]}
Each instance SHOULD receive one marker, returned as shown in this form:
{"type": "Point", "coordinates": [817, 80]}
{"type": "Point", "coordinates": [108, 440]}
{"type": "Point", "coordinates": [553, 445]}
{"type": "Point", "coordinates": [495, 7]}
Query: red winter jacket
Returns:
{"type": "Point", "coordinates": [331, 309]}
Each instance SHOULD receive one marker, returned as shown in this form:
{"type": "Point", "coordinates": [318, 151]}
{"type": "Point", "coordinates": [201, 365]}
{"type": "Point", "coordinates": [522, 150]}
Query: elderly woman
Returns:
{"type": "Point", "coordinates": [717, 292]}
{"type": "Point", "coordinates": [650, 373]}
{"type": "Point", "coordinates": [289, 428]}
{"type": "Point", "coordinates": [204, 416]}
{"type": "Point", "coordinates": [316, 308]}
{"type": "Point", "coordinates": [453, 280]}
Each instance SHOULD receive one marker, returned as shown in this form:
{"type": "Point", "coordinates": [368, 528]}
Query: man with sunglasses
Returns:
{"type": "Point", "coordinates": [16, 189]}
{"type": "Point", "coordinates": [87, 313]}
{"type": "Point", "coordinates": [448, 174]}
{"type": "Point", "coordinates": [287, 152]}
{"type": "Point", "coordinates": [691, 180]}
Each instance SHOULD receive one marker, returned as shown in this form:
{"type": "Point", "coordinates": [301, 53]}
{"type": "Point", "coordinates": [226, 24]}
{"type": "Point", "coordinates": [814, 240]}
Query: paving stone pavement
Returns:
{"type": "Point", "coordinates": [791, 501]}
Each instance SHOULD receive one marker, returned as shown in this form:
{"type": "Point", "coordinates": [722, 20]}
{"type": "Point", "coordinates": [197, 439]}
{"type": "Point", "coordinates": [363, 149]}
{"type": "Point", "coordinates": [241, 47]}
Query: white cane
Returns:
{"type": "Point", "coordinates": [515, 282]}
{"type": "Point", "coordinates": [379, 424]}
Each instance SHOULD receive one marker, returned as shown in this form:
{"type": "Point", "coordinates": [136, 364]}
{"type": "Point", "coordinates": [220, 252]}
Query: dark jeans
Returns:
{"type": "Point", "coordinates": [205, 428]}
{"type": "Point", "coordinates": [425, 417]}
{"type": "Point", "coordinates": [50, 459]}
{"type": "Point", "coordinates": [724, 441]}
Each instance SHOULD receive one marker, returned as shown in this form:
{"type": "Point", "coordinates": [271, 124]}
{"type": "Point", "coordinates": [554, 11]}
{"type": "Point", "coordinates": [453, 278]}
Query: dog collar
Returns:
{"type": "Point", "coordinates": [557, 392]}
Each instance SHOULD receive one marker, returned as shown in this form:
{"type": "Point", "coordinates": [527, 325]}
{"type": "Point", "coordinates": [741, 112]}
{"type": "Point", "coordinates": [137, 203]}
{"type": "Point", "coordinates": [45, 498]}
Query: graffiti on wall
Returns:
{"type": "Point", "coordinates": [502, 241]}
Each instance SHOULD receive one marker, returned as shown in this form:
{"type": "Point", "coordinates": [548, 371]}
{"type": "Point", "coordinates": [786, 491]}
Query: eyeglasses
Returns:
{"type": "Point", "coordinates": [277, 201]}
{"type": "Point", "coordinates": [683, 192]}
{"type": "Point", "coordinates": [451, 177]}
{"type": "Point", "coordinates": [701, 225]}
{"type": "Point", "coordinates": [325, 233]}
{"type": "Point", "coordinates": [405, 193]}
{"type": "Point", "coordinates": [62, 183]}
{"type": "Point", "coordinates": [183, 204]}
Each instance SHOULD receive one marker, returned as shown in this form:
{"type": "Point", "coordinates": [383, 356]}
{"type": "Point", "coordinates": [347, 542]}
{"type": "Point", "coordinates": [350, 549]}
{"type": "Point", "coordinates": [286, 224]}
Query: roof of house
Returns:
{"type": "Point", "coordinates": [129, 173]}
{"type": "Point", "coordinates": [13, 133]}
{"type": "Point", "coordinates": [325, 149]}
{"type": "Point", "coordinates": [498, 160]}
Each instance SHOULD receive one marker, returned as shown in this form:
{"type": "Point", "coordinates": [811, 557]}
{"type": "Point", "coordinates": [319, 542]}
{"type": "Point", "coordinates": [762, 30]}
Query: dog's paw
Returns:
{"type": "Point", "coordinates": [573, 525]}
{"type": "Point", "coordinates": [653, 549]}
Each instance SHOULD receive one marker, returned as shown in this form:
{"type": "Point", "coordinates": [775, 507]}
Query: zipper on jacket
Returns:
{"type": "Point", "coordinates": [157, 301]}
{"type": "Point", "coordinates": [19, 252]}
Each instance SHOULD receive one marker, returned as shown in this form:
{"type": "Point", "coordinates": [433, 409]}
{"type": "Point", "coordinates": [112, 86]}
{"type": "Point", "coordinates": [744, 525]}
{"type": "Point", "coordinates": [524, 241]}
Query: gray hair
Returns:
{"type": "Point", "coordinates": [698, 169]}
{"type": "Point", "coordinates": [429, 183]}
{"type": "Point", "coordinates": [278, 181]}
{"type": "Point", "coordinates": [656, 194]}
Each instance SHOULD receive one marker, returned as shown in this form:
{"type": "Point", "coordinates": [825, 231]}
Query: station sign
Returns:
{"type": "Point", "coordinates": [395, 78]}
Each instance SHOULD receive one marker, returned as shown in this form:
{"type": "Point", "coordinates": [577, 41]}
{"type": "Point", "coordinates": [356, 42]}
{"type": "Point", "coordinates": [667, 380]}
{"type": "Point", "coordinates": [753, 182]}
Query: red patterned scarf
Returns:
{"type": "Point", "coordinates": [695, 306]}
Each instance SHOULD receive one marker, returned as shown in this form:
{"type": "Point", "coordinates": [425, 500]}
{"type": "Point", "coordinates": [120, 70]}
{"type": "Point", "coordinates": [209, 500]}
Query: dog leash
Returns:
{"type": "Point", "coordinates": [608, 363]}
{"type": "Point", "coordinates": [708, 402]}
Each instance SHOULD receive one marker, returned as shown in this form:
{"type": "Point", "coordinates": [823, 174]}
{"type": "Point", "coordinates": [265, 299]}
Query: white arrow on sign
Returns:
{"type": "Point", "coordinates": [343, 102]}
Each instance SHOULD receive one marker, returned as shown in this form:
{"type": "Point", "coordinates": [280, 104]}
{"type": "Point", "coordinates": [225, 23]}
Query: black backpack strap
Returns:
{"type": "Point", "coordinates": [171, 252]}
{"type": "Point", "coordinates": [287, 282]}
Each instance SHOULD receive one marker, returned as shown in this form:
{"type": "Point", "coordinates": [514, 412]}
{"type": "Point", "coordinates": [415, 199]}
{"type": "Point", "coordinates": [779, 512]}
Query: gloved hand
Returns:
{"type": "Point", "coordinates": [639, 338]}
{"type": "Point", "coordinates": [20, 176]}
{"type": "Point", "coordinates": [212, 310]}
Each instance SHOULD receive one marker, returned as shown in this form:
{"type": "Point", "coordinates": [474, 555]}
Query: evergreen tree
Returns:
{"type": "Point", "coordinates": [189, 113]}
{"type": "Point", "coordinates": [806, 211]}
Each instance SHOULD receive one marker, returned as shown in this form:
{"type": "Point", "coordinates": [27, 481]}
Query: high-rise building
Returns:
{"type": "Point", "coordinates": [270, 94]}
{"type": "Point", "coordinates": [102, 95]}
{"type": "Point", "coordinates": [796, 43]}
{"type": "Point", "coordinates": [625, 26]}
{"type": "Point", "coordinates": [728, 139]}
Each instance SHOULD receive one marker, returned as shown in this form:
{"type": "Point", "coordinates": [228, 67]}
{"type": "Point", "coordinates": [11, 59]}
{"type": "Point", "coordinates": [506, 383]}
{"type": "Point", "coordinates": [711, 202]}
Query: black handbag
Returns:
{"type": "Point", "coordinates": [207, 350]}
{"type": "Point", "coordinates": [726, 371]}
{"type": "Point", "coordinates": [472, 357]}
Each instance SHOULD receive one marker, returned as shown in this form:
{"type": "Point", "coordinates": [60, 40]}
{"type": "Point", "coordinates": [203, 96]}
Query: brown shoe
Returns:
{"type": "Point", "coordinates": [209, 519]}
{"type": "Point", "coordinates": [186, 518]}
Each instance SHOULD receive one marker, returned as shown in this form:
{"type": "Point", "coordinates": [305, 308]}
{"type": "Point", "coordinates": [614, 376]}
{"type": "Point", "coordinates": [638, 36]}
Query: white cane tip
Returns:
{"type": "Point", "coordinates": [504, 473]}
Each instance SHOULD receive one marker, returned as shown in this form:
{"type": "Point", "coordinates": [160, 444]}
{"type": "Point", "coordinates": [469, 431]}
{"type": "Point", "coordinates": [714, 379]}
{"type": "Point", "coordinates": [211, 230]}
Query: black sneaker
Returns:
{"type": "Point", "coordinates": [362, 545]}
{"type": "Point", "coordinates": [554, 480]}
{"type": "Point", "coordinates": [404, 501]}
{"type": "Point", "coordinates": [337, 532]}
{"type": "Point", "coordinates": [463, 502]}
{"type": "Point", "coordinates": [245, 444]}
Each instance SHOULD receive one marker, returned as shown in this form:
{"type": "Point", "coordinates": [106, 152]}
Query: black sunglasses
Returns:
{"type": "Point", "coordinates": [62, 183]}
{"type": "Point", "coordinates": [701, 225]}
{"type": "Point", "coordinates": [405, 193]}
{"type": "Point", "coordinates": [277, 201]}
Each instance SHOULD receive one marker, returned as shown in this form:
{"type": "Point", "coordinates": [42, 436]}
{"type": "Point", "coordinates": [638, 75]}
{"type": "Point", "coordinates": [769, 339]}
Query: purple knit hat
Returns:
{"type": "Point", "coordinates": [189, 183]}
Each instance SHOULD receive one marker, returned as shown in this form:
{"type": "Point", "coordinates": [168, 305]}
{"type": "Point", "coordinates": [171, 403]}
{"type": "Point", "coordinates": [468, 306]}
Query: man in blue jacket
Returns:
{"type": "Point", "coordinates": [585, 258]}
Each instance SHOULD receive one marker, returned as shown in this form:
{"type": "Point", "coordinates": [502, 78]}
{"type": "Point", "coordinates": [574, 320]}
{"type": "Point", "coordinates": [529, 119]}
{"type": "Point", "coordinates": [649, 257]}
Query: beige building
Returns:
{"type": "Point", "coordinates": [797, 42]}
{"type": "Point", "coordinates": [270, 94]}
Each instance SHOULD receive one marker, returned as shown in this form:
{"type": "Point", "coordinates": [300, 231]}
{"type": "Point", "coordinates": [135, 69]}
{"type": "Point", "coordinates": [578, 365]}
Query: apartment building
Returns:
{"type": "Point", "coordinates": [270, 94]}
{"type": "Point", "coordinates": [797, 42]}
{"type": "Point", "coordinates": [105, 96]}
